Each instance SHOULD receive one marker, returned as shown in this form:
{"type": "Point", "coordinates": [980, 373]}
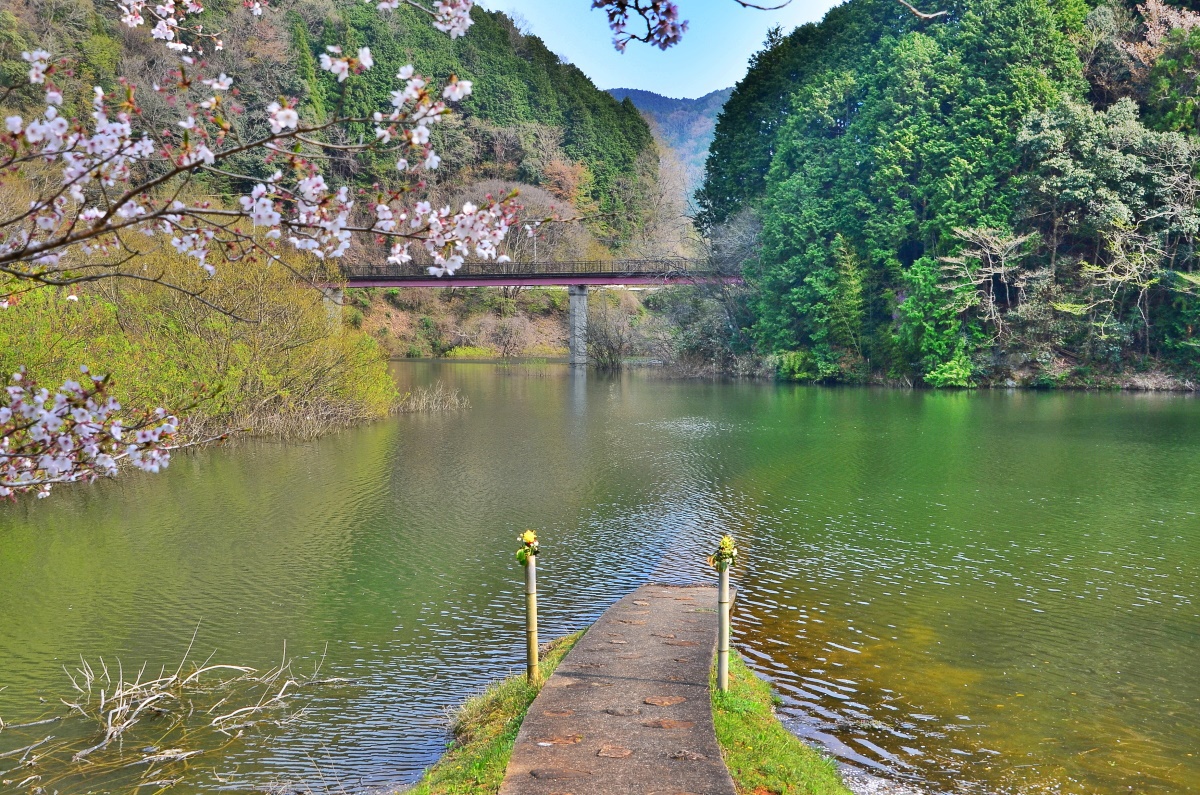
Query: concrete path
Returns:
{"type": "Point", "coordinates": [628, 710]}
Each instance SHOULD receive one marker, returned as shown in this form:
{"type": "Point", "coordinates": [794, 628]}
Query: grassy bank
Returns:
{"type": "Point", "coordinates": [763, 757]}
{"type": "Point", "coordinates": [485, 729]}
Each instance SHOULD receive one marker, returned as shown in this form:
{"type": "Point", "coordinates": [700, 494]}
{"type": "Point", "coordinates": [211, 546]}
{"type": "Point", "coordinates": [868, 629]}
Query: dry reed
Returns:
{"type": "Point", "coordinates": [432, 398]}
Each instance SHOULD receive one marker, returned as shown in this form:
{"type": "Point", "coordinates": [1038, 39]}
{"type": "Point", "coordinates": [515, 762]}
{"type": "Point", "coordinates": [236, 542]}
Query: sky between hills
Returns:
{"type": "Point", "coordinates": [713, 55]}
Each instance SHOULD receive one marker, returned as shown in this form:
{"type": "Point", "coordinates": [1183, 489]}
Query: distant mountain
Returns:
{"type": "Point", "coordinates": [686, 125]}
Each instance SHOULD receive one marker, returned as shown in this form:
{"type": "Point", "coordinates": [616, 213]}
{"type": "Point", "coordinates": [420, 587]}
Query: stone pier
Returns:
{"type": "Point", "coordinates": [628, 711]}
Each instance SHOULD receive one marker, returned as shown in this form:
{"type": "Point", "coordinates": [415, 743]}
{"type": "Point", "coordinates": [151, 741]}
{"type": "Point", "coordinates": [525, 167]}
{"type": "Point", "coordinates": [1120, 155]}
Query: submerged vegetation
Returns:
{"type": "Point", "coordinates": [1006, 193]}
{"type": "Point", "coordinates": [133, 729]}
{"type": "Point", "coordinates": [433, 398]}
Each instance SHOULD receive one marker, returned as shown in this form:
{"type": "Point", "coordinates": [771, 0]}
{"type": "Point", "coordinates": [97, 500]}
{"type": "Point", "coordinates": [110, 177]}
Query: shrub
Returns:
{"type": "Point", "coordinates": [468, 352]}
{"type": "Point", "coordinates": [289, 371]}
{"type": "Point", "coordinates": [956, 372]}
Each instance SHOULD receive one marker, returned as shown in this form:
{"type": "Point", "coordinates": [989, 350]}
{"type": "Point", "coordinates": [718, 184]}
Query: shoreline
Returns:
{"type": "Point", "coordinates": [1148, 383]}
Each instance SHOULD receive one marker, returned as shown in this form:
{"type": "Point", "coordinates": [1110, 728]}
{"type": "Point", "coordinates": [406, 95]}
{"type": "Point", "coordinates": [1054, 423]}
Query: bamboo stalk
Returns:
{"type": "Point", "coordinates": [723, 631]}
{"type": "Point", "coordinates": [532, 671]}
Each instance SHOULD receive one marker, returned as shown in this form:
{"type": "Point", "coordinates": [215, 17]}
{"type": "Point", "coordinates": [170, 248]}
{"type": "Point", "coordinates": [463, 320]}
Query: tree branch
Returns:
{"type": "Point", "coordinates": [921, 14]}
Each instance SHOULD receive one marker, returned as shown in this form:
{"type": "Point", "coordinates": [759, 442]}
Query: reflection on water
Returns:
{"type": "Point", "coordinates": [988, 592]}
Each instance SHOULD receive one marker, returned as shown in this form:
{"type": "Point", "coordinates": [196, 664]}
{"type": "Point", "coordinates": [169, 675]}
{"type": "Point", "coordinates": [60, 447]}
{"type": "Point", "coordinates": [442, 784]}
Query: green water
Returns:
{"type": "Point", "coordinates": [992, 593]}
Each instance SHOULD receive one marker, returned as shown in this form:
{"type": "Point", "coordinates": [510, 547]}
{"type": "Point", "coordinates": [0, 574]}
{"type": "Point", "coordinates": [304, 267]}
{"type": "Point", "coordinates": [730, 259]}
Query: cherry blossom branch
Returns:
{"type": "Point", "coordinates": [745, 4]}
{"type": "Point", "coordinates": [77, 433]}
{"type": "Point", "coordinates": [661, 18]}
{"type": "Point", "coordinates": [119, 177]}
{"type": "Point", "coordinates": [314, 216]}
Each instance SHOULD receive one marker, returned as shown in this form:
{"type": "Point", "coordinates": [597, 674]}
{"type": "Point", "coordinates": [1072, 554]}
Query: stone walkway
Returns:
{"type": "Point", "coordinates": [628, 711]}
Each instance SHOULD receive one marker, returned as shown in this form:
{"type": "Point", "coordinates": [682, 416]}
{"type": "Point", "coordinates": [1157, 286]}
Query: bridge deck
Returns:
{"type": "Point", "coordinates": [531, 274]}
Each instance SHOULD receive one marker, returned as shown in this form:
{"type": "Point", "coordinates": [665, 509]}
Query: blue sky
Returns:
{"type": "Point", "coordinates": [721, 38]}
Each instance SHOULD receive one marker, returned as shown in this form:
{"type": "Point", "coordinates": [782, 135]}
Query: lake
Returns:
{"type": "Point", "coordinates": [992, 592]}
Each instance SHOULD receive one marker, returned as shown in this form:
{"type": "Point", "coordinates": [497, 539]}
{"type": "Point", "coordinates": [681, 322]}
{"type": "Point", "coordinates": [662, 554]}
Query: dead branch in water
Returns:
{"type": "Point", "coordinates": [133, 731]}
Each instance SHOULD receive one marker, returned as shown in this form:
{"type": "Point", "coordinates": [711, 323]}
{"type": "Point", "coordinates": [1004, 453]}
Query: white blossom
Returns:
{"type": "Point", "coordinates": [281, 118]}
{"type": "Point", "coordinates": [39, 62]}
{"type": "Point", "coordinates": [457, 90]}
{"type": "Point", "coordinates": [71, 435]}
{"type": "Point", "coordinates": [453, 16]}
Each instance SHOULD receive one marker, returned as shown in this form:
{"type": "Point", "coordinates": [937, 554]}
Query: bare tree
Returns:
{"type": "Point", "coordinates": [669, 230]}
{"type": "Point", "coordinates": [610, 332]}
{"type": "Point", "coordinates": [990, 266]}
{"type": "Point", "coordinates": [510, 336]}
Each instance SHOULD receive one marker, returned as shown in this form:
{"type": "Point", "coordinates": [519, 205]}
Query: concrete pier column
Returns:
{"type": "Point", "coordinates": [333, 298]}
{"type": "Point", "coordinates": [577, 316]}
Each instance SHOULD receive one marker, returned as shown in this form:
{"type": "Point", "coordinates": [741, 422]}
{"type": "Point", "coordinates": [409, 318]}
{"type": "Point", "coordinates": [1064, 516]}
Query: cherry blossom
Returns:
{"type": "Point", "coordinates": [663, 26]}
{"type": "Point", "coordinates": [75, 433]}
{"type": "Point", "coordinates": [453, 16]}
{"type": "Point", "coordinates": [304, 211]}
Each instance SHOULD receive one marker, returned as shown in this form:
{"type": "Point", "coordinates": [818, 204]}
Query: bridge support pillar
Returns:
{"type": "Point", "coordinates": [333, 298]}
{"type": "Point", "coordinates": [577, 316]}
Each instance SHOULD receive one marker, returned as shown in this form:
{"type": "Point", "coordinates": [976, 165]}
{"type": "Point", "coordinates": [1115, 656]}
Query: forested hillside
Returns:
{"type": "Point", "coordinates": [1003, 194]}
{"type": "Point", "coordinates": [531, 118]}
{"type": "Point", "coordinates": [686, 125]}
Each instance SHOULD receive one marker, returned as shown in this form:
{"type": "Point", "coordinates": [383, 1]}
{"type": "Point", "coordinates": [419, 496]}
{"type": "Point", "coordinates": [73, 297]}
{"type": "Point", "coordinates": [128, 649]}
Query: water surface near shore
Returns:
{"type": "Point", "coordinates": [985, 592]}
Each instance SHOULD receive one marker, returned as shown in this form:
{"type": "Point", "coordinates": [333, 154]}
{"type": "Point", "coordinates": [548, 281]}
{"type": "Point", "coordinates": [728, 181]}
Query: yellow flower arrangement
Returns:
{"type": "Point", "coordinates": [726, 554]}
{"type": "Point", "coordinates": [530, 540]}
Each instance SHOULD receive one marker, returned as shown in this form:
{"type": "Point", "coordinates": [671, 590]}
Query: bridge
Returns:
{"type": "Point", "coordinates": [655, 271]}
{"type": "Point", "coordinates": [576, 276]}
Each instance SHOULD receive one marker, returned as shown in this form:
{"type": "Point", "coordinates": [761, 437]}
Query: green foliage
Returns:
{"type": "Point", "coordinates": [956, 371]}
{"type": "Point", "coordinates": [291, 370]}
{"type": "Point", "coordinates": [1104, 185]}
{"type": "Point", "coordinates": [543, 301]}
{"type": "Point", "coordinates": [499, 303]}
{"type": "Point", "coordinates": [874, 147]}
{"type": "Point", "coordinates": [1173, 101]}
{"type": "Point", "coordinates": [843, 294]}
{"type": "Point", "coordinates": [306, 69]}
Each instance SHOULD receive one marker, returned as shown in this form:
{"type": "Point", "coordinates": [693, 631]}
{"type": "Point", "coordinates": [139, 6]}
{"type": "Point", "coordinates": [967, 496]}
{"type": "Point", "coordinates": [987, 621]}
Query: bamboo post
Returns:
{"type": "Point", "coordinates": [531, 639]}
{"type": "Point", "coordinates": [721, 560]}
{"type": "Point", "coordinates": [527, 557]}
{"type": "Point", "coordinates": [723, 629]}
